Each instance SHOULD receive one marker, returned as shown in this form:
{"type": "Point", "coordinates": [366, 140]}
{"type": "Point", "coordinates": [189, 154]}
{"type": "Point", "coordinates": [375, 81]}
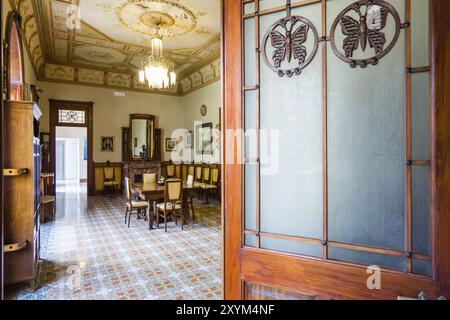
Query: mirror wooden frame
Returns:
{"type": "Point", "coordinates": [142, 117]}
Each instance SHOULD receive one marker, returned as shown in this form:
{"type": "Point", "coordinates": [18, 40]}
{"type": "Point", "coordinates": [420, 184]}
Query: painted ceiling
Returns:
{"type": "Point", "coordinates": [103, 42]}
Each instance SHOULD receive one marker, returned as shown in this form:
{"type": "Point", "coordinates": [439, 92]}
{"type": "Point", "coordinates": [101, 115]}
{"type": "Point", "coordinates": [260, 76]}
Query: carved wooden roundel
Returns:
{"type": "Point", "coordinates": [288, 37]}
{"type": "Point", "coordinates": [362, 24]}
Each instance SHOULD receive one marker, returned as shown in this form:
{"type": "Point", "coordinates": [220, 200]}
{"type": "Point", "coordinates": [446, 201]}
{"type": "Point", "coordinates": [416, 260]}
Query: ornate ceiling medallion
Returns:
{"type": "Point", "coordinates": [289, 39]}
{"type": "Point", "coordinates": [362, 24]}
{"type": "Point", "coordinates": [143, 16]}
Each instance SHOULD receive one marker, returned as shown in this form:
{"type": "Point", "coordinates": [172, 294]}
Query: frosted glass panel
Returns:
{"type": "Point", "coordinates": [420, 116]}
{"type": "Point", "coordinates": [250, 240]}
{"type": "Point", "coordinates": [366, 154]}
{"type": "Point", "coordinates": [420, 28]}
{"type": "Point", "coordinates": [421, 210]}
{"type": "Point", "coordinates": [250, 124]}
{"type": "Point", "coordinates": [291, 247]}
{"type": "Point", "coordinates": [291, 198]}
{"type": "Point", "coordinates": [250, 197]}
{"type": "Point", "coordinates": [249, 8]}
{"type": "Point", "coordinates": [365, 258]}
{"type": "Point", "coordinates": [421, 267]}
{"type": "Point", "coordinates": [249, 52]}
{"type": "Point", "coordinates": [269, 4]}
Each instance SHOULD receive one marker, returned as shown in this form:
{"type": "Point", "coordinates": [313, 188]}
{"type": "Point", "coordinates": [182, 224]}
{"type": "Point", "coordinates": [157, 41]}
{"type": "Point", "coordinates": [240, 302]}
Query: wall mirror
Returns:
{"type": "Point", "coordinates": [142, 137]}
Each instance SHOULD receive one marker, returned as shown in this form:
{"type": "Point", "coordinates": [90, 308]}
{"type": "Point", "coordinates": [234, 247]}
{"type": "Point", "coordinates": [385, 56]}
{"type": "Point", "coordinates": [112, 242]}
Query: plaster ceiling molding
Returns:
{"type": "Point", "coordinates": [140, 86]}
{"type": "Point", "coordinates": [186, 84]}
{"type": "Point", "coordinates": [60, 48]}
{"type": "Point", "coordinates": [187, 23]}
{"type": "Point", "coordinates": [114, 36]}
{"type": "Point", "coordinates": [91, 76]}
{"type": "Point", "coordinates": [25, 8]}
{"type": "Point", "coordinates": [99, 55]}
{"type": "Point", "coordinates": [58, 72]}
{"type": "Point", "coordinates": [119, 80]}
{"type": "Point", "coordinates": [59, 15]}
{"type": "Point", "coordinates": [184, 67]}
{"type": "Point", "coordinates": [58, 35]}
{"type": "Point", "coordinates": [217, 67]}
{"type": "Point", "coordinates": [196, 79]}
{"type": "Point", "coordinates": [207, 73]}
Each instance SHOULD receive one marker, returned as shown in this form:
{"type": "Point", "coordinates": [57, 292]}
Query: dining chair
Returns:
{"type": "Point", "coordinates": [170, 169]}
{"type": "Point", "coordinates": [184, 172]}
{"type": "Point", "coordinates": [191, 170]}
{"type": "Point", "coordinates": [213, 184]}
{"type": "Point", "coordinates": [149, 177]}
{"type": "Point", "coordinates": [178, 171]}
{"type": "Point", "coordinates": [206, 179]}
{"type": "Point", "coordinates": [109, 179]}
{"type": "Point", "coordinates": [133, 205]}
{"type": "Point", "coordinates": [173, 202]}
{"type": "Point", "coordinates": [198, 179]}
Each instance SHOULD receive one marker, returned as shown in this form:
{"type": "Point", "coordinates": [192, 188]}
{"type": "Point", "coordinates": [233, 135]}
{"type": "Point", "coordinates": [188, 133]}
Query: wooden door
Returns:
{"type": "Point", "coordinates": [353, 205]}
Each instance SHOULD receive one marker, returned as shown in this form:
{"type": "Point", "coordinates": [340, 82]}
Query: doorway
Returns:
{"type": "Point", "coordinates": [71, 155]}
{"type": "Point", "coordinates": [71, 142]}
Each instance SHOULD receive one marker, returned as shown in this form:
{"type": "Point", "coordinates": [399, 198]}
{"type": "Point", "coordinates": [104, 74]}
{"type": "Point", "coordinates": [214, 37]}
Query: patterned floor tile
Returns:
{"type": "Point", "coordinates": [88, 253]}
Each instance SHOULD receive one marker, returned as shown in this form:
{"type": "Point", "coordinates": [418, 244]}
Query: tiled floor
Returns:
{"type": "Point", "coordinates": [89, 253]}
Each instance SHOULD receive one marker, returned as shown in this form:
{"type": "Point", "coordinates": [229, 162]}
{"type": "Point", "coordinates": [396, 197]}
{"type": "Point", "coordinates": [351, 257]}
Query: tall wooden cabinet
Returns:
{"type": "Point", "coordinates": [22, 163]}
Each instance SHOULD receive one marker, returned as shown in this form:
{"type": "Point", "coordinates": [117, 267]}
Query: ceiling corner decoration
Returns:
{"type": "Point", "coordinates": [111, 38]}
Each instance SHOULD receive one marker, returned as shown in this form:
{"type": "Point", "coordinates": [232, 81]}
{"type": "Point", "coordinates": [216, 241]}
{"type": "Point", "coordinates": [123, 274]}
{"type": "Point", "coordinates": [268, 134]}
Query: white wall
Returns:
{"type": "Point", "coordinates": [112, 113]}
{"type": "Point", "coordinates": [191, 104]}
{"type": "Point", "coordinates": [75, 133]}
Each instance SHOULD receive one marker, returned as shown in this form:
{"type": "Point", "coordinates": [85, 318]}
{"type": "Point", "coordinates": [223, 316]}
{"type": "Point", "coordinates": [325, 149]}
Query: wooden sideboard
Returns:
{"type": "Point", "coordinates": [22, 162]}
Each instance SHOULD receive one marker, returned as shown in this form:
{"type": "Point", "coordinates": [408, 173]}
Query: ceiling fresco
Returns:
{"type": "Point", "coordinates": [103, 42]}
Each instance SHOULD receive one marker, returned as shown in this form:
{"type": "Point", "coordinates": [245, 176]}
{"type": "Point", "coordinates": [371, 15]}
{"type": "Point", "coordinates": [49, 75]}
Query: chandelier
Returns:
{"type": "Point", "coordinates": [157, 71]}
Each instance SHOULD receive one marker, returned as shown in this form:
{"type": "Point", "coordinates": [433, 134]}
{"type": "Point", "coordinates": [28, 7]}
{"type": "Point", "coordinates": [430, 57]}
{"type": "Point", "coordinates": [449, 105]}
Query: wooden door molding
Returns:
{"type": "Point", "coordinates": [232, 82]}
{"type": "Point", "coordinates": [1, 161]}
{"type": "Point", "coordinates": [320, 277]}
{"type": "Point", "coordinates": [56, 105]}
{"type": "Point", "coordinates": [440, 97]}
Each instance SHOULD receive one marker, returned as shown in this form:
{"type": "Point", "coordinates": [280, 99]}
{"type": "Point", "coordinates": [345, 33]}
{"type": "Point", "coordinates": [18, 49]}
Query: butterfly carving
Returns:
{"type": "Point", "coordinates": [290, 45]}
{"type": "Point", "coordinates": [366, 30]}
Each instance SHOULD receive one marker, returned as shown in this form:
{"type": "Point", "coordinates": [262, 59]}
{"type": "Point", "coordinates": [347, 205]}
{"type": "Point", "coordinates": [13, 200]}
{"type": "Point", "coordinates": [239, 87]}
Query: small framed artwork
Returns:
{"type": "Point", "coordinates": [171, 144]}
{"type": "Point", "coordinates": [107, 144]}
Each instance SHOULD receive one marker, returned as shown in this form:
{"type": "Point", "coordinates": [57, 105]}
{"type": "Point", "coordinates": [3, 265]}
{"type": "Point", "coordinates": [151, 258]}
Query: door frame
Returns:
{"type": "Point", "coordinates": [88, 107]}
{"type": "Point", "coordinates": [243, 264]}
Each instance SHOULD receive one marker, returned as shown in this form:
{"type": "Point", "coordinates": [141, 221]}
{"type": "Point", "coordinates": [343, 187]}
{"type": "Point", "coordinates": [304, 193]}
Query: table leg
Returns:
{"type": "Point", "coordinates": [150, 214]}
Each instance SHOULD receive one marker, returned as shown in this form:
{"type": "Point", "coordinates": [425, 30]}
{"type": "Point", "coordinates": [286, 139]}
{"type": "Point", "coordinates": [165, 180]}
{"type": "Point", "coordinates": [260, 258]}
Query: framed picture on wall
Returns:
{"type": "Point", "coordinates": [171, 144]}
{"type": "Point", "coordinates": [204, 139]}
{"type": "Point", "coordinates": [107, 144]}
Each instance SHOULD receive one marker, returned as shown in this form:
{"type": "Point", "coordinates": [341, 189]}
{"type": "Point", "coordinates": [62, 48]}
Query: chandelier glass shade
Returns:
{"type": "Point", "coordinates": [157, 71]}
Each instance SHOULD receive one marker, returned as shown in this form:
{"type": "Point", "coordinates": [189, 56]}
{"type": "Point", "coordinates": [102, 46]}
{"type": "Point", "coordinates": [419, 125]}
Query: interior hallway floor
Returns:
{"type": "Point", "coordinates": [88, 253]}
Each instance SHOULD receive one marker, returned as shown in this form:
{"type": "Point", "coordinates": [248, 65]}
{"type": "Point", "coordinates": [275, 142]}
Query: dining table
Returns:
{"type": "Point", "coordinates": [154, 193]}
